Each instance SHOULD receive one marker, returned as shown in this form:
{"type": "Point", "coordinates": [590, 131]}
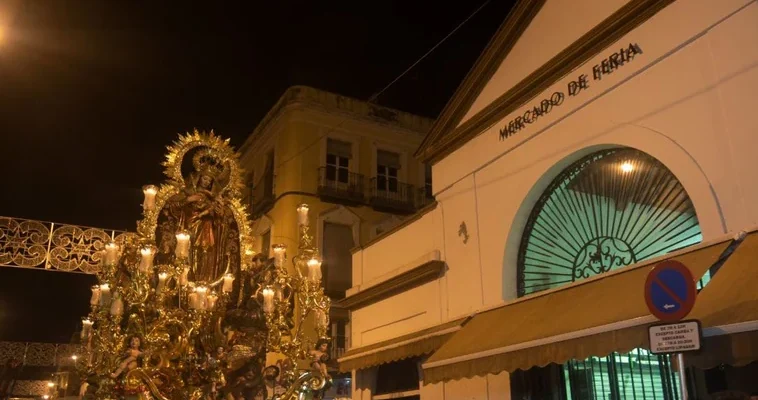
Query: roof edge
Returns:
{"type": "Point", "coordinates": [484, 68]}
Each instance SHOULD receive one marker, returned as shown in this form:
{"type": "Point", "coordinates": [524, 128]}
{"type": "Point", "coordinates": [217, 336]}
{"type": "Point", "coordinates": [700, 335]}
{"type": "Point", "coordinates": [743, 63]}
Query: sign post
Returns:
{"type": "Point", "coordinates": [670, 294]}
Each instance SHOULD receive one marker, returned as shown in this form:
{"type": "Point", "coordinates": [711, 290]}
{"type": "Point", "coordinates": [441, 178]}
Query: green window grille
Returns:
{"type": "Point", "coordinates": [608, 210]}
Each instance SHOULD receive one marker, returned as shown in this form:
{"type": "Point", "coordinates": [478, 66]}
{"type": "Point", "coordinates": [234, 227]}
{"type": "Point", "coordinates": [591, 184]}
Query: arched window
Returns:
{"type": "Point", "coordinates": [608, 210]}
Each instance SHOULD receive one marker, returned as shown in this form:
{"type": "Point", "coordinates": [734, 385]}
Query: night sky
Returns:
{"type": "Point", "coordinates": [91, 92]}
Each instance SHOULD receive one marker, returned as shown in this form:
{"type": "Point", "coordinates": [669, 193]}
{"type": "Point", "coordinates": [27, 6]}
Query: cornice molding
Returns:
{"type": "Point", "coordinates": [336, 104]}
{"type": "Point", "coordinates": [480, 74]}
{"type": "Point", "coordinates": [610, 30]}
{"type": "Point", "coordinates": [424, 273]}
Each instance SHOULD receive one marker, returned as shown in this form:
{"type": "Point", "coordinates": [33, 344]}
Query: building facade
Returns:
{"type": "Point", "coordinates": [351, 162]}
{"type": "Point", "coordinates": [589, 138]}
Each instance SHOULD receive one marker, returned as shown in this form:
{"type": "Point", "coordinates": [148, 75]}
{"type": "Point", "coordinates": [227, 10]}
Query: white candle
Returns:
{"type": "Point", "coordinates": [86, 328]}
{"type": "Point", "coordinates": [183, 277]}
{"type": "Point", "coordinates": [117, 305]}
{"type": "Point", "coordinates": [268, 300]}
{"type": "Point", "coordinates": [161, 281]}
{"type": "Point", "coordinates": [302, 214]}
{"type": "Point", "coordinates": [202, 297]}
{"type": "Point", "coordinates": [228, 281]}
{"type": "Point", "coordinates": [146, 262]}
{"type": "Point", "coordinates": [150, 191]}
{"type": "Point", "coordinates": [105, 295]}
{"type": "Point", "coordinates": [192, 300]}
{"type": "Point", "coordinates": [280, 254]}
{"type": "Point", "coordinates": [111, 253]}
{"type": "Point", "coordinates": [314, 269]}
{"type": "Point", "coordinates": [212, 301]}
{"type": "Point", "coordinates": [182, 244]}
{"type": "Point", "coordinates": [95, 299]}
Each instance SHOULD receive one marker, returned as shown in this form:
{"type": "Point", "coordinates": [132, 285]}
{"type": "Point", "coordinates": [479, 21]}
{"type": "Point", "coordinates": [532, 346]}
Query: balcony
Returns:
{"type": "Point", "coordinates": [263, 196]}
{"type": "Point", "coordinates": [347, 187]}
{"type": "Point", "coordinates": [393, 197]}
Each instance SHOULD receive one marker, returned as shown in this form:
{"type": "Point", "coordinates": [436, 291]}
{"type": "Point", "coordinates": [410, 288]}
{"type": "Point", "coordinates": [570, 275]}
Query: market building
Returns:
{"type": "Point", "coordinates": [590, 141]}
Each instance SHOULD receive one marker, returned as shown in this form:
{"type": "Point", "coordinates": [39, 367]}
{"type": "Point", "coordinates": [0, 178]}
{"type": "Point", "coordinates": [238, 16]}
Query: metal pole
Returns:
{"type": "Point", "coordinates": [682, 375]}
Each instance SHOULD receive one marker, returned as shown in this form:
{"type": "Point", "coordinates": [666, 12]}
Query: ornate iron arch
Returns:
{"type": "Point", "coordinates": [610, 209]}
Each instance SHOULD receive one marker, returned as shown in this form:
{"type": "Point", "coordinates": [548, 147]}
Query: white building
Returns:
{"type": "Point", "coordinates": [590, 135]}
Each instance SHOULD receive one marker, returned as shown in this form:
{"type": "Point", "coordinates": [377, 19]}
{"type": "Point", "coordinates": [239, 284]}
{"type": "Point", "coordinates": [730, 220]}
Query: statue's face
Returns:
{"type": "Point", "coordinates": [220, 351]}
{"type": "Point", "coordinates": [205, 181]}
{"type": "Point", "coordinates": [323, 346]}
{"type": "Point", "coordinates": [135, 342]}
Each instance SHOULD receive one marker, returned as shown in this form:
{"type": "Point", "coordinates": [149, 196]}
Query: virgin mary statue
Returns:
{"type": "Point", "coordinates": [202, 210]}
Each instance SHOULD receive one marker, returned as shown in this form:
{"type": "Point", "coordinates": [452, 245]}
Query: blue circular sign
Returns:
{"type": "Point", "coordinates": [670, 291]}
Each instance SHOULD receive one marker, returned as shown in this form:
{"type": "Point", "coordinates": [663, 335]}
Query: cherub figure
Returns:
{"type": "Point", "coordinates": [216, 366]}
{"type": "Point", "coordinates": [132, 354]}
{"type": "Point", "coordinates": [319, 357]}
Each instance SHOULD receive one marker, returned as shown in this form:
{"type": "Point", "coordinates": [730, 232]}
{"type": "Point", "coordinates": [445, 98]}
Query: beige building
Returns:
{"type": "Point", "coordinates": [351, 162]}
{"type": "Point", "coordinates": [591, 140]}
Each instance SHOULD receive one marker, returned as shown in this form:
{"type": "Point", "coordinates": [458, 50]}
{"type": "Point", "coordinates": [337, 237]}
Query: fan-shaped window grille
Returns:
{"type": "Point", "coordinates": [608, 210]}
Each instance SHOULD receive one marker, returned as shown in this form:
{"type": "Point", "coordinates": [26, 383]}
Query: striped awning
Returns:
{"type": "Point", "coordinates": [593, 317]}
{"type": "Point", "coordinates": [413, 344]}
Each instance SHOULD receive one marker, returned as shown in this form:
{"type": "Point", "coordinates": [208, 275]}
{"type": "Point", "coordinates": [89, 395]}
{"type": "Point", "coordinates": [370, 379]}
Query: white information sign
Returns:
{"type": "Point", "coordinates": [676, 337]}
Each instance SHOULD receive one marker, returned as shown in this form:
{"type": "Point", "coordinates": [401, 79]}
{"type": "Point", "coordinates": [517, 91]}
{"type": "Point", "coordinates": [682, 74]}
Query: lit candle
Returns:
{"type": "Point", "coordinates": [161, 281]}
{"type": "Point", "coordinates": [302, 214]}
{"type": "Point", "coordinates": [268, 300]}
{"type": "Point", "coordinates": [95, 299]}
{"type": "Point", "coordinates": [228, 281]}
{"type": "Point", "coordinates": [314, 269]}
{"type": "Point", "coordinates": [212, 301]}
{"type": "Point", "coordinates": [86, 328]}
{"type": "Point", "coordinates": [280, 254]}
{"type": "Point", "coordinates": [182, 244]}
{"type": "Point", "coordinates": [183, 277]}
{"type": "Point", "coordinates": [146, 262]}
{"type": "Point", "coordinates": [150, 191]}
{"type": "Point", "coordinates": [117, 305]}
{"type": "Point", "coordinates": [105, 295]}
{"type": "Point", "coordinates": [111, 253]}
{"type": "Point", "coordinates": [202, 299]}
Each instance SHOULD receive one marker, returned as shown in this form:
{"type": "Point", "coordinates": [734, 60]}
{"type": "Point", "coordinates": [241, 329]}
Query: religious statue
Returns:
{"type": "Point", "coordinates": [131, 356]}
{"type": "Point", "coordinates": [202, 210]}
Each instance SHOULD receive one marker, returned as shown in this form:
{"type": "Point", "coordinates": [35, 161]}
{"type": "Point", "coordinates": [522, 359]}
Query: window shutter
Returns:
{"type": "Point", "coordinates": [388, 159]}
{"type": "Point", "coordinates": [339, 148]}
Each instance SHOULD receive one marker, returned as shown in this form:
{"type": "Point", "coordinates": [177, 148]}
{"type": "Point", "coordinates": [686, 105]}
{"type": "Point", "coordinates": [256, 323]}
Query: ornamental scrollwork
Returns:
{"type": "Point", "coordinates": [23, 243]}
{"type": "Point", "coordinates": [37, 244]}
{"type": "Point", "coordinates": [601, 255]}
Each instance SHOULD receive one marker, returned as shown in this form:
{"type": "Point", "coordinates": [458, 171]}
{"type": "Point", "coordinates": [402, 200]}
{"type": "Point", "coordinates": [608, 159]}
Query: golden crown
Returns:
{"type": "Point", "coordinates": [208, 163]}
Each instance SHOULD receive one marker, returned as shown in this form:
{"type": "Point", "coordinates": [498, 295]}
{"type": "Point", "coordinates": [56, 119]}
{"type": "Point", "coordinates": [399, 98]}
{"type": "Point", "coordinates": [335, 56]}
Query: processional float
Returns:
{"type": "Point", "coordinates": [185, 309]}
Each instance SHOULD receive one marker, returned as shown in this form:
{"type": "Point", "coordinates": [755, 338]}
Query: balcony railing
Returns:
{"type": "Point", "coordinates": [48, 245]}
{"type": "Point", "coordinates": [345, 187]}
{"type": "Point", "coordinates": [392, 196]}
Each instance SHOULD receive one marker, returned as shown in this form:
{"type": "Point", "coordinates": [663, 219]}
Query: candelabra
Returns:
{"type": "Point", "coordinates": [185, 310]}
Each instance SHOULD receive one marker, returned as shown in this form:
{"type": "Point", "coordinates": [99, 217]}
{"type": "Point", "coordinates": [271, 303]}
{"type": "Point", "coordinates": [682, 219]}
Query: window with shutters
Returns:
{"type": "Point", "coordinates": [338, 260]}
{"type": "Point", "coordinates": [338, 155]}
{"type": "Point", "coordinates": [387, 166]}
